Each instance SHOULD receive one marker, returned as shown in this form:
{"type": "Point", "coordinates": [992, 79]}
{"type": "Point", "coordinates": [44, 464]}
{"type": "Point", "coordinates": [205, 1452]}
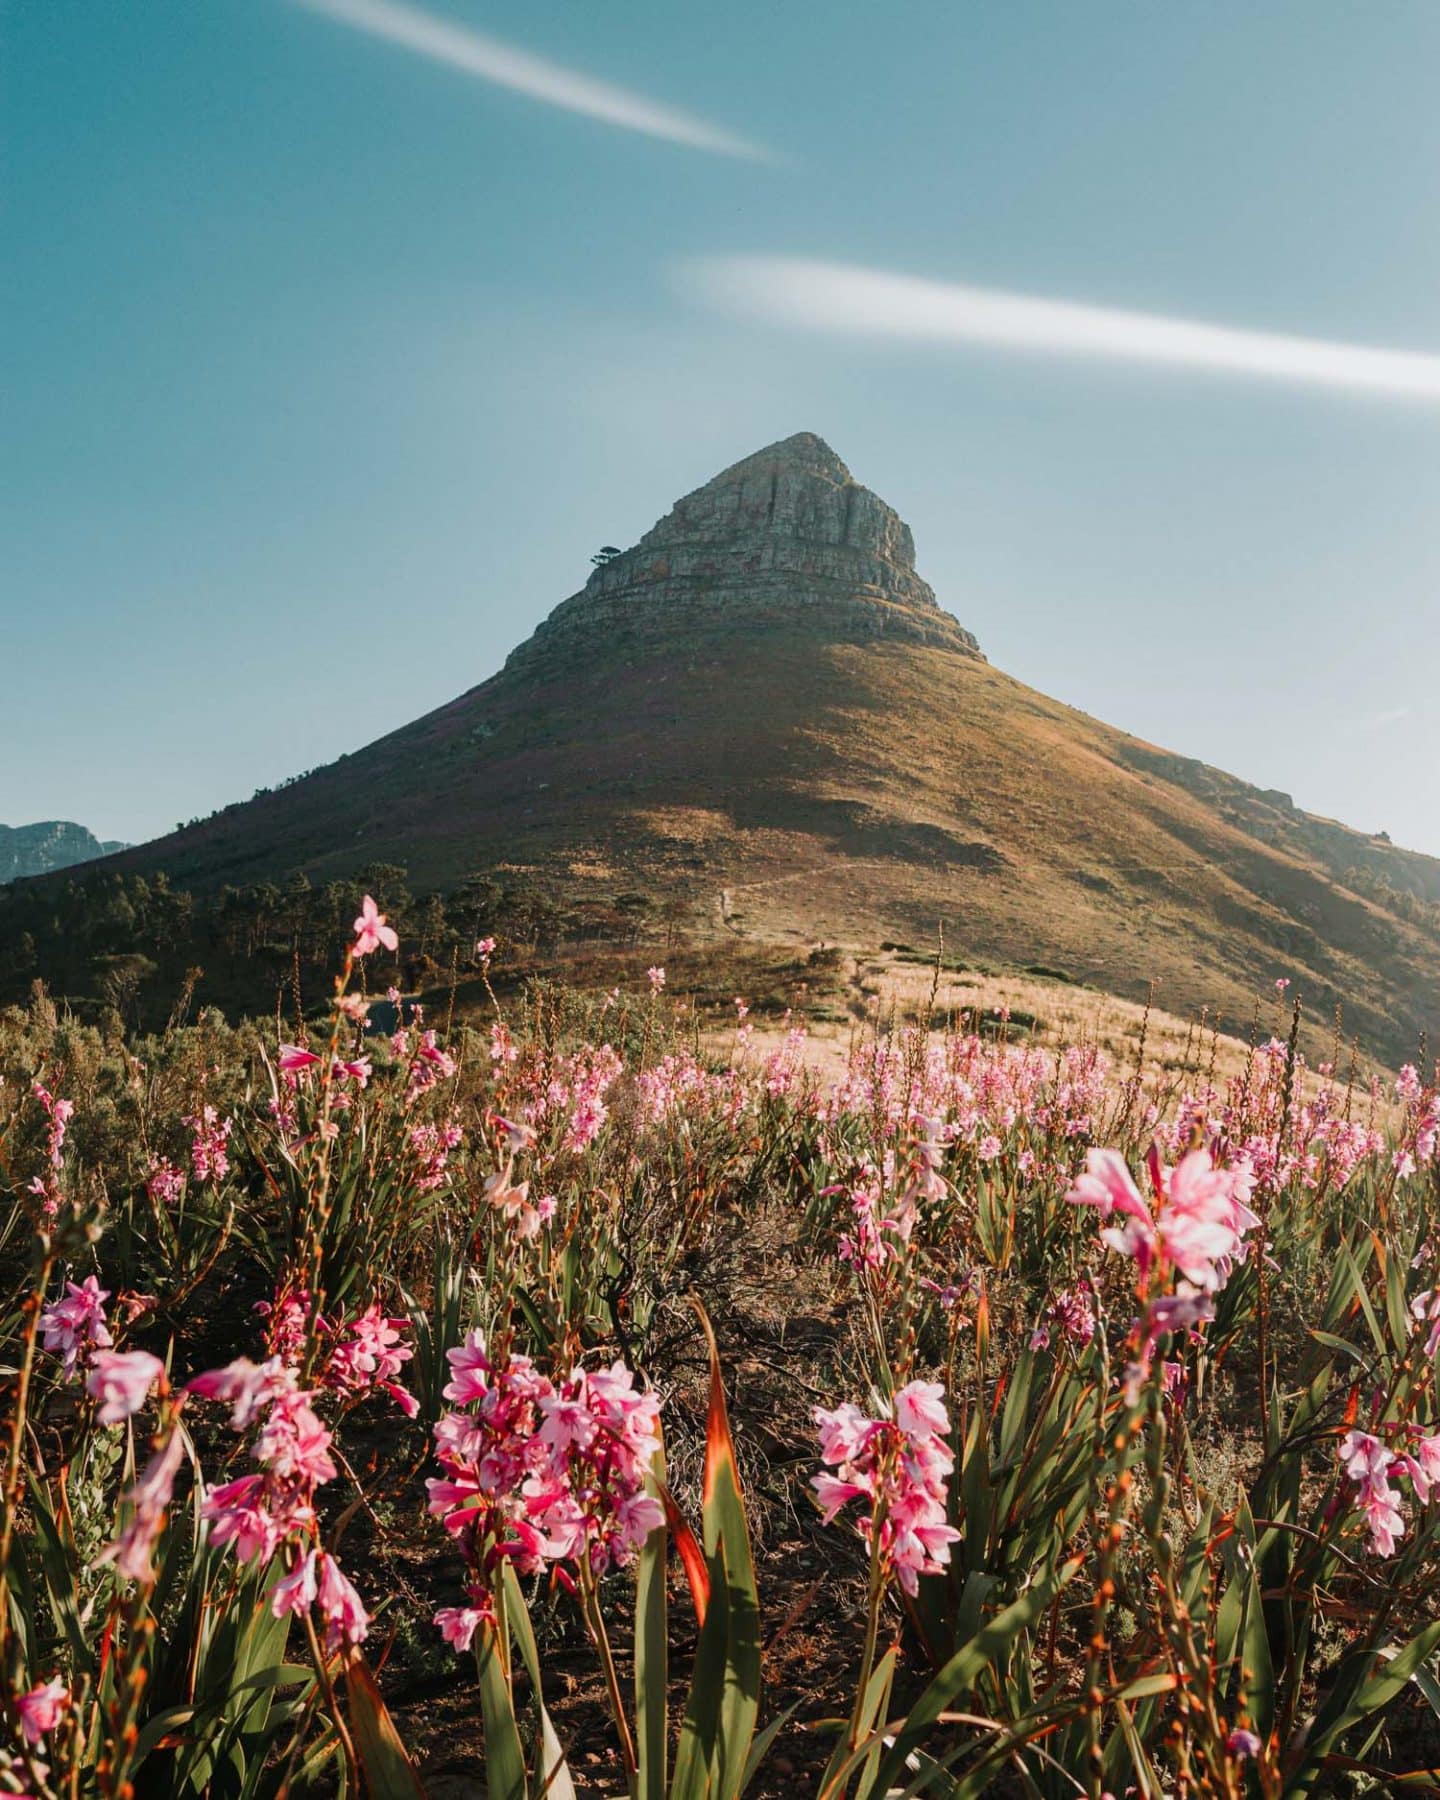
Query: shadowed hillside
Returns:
{"type": "Point", "coordinates": [761, 712]}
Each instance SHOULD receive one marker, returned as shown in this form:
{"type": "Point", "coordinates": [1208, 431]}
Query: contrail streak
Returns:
{"type": "Point", "coordinates": [473, 53]}
{"type": "Point", "coordinates": [838, 297]}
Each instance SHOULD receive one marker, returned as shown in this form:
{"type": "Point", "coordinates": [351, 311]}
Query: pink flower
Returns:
{"type": "Point", "coordinates": [834, 1494]}
{"type": "Point", "coordinates": [294, 1444]}
{"type": "Point", "coordinates": [568, 1423]}
{"type": "Point", "coordinates": [237, 1512]}
{"type": "Point", "coordinates": [1369, 1464]}
{"type": "Point", "coordinates": [1202, 1223]}
{"type": "Point", "coordinates": [1106, 1184]}
{"type": "Point", "coordinates": [656, 978]}
{"type": "Point", "coordinates": [518, 1136]}
{"type": "Point", "coordinates": [293, 1057]}
{"type": "Point", "coordinates": [248, 1387]}
{"type": "Point", "coordinates": [1242, 1743]}
{"type": "Point", "coordinates": [458, 1624]}
{"type": "Point", "coordinates": [372, 1356]}
{"type": "Point", "coordinates": [120, 1380]}
{"type": "Point", "coordinates": [470, 1370]}
{"type": "Point", "coordinates": [345, 1615]}
{"type": "Point", "coordinates": [1383, 1519]}
{"type": "Point", "coordinates": [371, 930]}
{"type": "Point", "coordinates": [1427, 1459]}
{"type": "Point", "coordinates": [41, 1708]}
{"type": "Point", "coordinates": [295, 1592]}
{"type": "Point", "coordinates": [76, 1324]}
{"type": "Point", "coordinates": [1180, 1311]}
{"type": "Point", "coordinates": [485, 949]}
{"type": "Point", "coordinates": [920, 1410]}
{"type": "Point", "coordinates": [148, 1500]}
{"type": "Point", "coordinates": [1364, 1458]}
{"type": "Point", "coordinates": [843, 1432]}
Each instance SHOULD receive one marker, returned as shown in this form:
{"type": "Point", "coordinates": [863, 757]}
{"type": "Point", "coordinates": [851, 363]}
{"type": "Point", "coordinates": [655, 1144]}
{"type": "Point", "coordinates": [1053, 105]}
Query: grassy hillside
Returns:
{"type": "Point", "coordinates": [786, 789]}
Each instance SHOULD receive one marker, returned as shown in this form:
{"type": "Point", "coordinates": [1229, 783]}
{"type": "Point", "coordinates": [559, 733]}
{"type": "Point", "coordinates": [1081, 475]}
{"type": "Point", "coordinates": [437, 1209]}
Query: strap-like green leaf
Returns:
{"type": "Point", "coordinates": [389, 1772]}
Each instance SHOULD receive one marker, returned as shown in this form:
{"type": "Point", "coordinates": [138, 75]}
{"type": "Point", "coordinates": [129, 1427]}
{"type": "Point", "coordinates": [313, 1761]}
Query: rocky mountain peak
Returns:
{"type": "Point", "coordinates": [48, 844]}
{"type": "Point", "coordinates": [783, 536]}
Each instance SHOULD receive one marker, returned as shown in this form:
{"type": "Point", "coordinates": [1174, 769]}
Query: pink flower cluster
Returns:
{"type": "Point", "coordinates": [541, 1473]}
{"type": "Point", "coordinates": [317, 1579]}
{"type": "Point", "coordinates": [274, 1511]}
{"type": "Point", "coordinates": [1287, 1126]}
{"type": "Point", "coordinates": [46, 1187]}
{"type": "Point", "coordinates": [1420, 1132]}
{"type": "Point", "coordinates": [783, 1069]}
{"type": "Point", "coordinates": [355, 1356]}
{"type": "Point", "coordinates": [259, 1513]}
{"type": "Point", "coordinates": [369, 1353]}
{"type": "Point", "coordinates": [680, 1087]}
{"type": "Point", "coordinates": [432, 1147]}
{"type": "Point", "coordinates": [996, 1099]}
{"type": "Point", "coordinates": [60, 1113]}
{"type": "Point", "coordinates": [165, 1184]}
{"type": "Point", "coordinates": [1072, 1314]}
{"type": "Point", "coordinates": [74, 1329]}
{"type": "Point", "coordinates": [879, 1231]}
{"type": "Point", "coordinates": [294, 1062]}
{"type": "Point", "coordinates": [209, 1144]}
{"type": "Point", "coordinates": [429, 1064]}
{"type": "Point", "coordinates": [1198, 1223]}
{"type": "Point", "coordinates": [899, 1467]}
{"type": "Point", "coordinates": [1369, 1466]}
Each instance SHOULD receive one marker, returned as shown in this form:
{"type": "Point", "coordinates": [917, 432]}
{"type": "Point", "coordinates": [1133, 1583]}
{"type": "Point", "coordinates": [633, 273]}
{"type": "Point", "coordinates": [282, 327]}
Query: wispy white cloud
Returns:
{"type": "Point", "coordinates": [839, 297]}
{"type": "Point", "coordinates": [474, 53]}
{"type": "Point", "coordinates": [1378, 721]}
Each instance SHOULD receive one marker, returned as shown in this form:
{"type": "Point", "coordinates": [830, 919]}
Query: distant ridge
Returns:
{"type": "Point", "coordinates": [760, 717]}
{"type": "Point", "coordinates": [50, 844]}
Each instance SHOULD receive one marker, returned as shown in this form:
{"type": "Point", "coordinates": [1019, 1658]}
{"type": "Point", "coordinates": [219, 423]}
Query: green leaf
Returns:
{"type": "Point", "coordinates": [389, 1772]}
{"type": "Point", "coordinates": [553, 1779]}
{"type": "Point", "coordinates": [504, 1755]}
{"type": "Point", "coordinates": [652, 1666]}
{"type": "Point", "coordinates": [969, 1663]}
{"type": "Point", "coordinates": [762, 1744]}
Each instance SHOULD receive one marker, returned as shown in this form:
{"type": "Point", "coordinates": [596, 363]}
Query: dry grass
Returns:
{"type": "Point", "coordinates": [883, 990]}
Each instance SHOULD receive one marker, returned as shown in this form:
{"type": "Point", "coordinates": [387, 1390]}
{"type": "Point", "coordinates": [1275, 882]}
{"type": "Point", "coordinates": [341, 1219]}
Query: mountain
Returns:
{"type": "Point", "coordinates": [761, 716]}
{"type": "Point", "coordinates": [52, 844]}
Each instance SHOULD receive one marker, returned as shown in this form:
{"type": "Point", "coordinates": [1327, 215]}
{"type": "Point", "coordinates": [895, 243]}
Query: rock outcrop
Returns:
{"type": "Point", "coordinates": [50, 844]}
{"type": "Point", "coordinates": [787, 536]}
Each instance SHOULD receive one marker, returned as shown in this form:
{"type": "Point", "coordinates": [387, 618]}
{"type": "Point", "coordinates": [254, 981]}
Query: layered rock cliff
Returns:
{"type": "Point", "coordinates": [785, 536]}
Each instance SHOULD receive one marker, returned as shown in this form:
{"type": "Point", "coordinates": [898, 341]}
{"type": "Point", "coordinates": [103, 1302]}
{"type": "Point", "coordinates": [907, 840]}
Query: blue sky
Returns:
{"type": "Point", "coordinates": [326, 362]}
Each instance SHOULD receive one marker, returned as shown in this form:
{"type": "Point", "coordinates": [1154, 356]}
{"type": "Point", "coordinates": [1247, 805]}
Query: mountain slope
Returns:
{"type": "Point", "coordinates": [760, 710]}
{"type": "Point", "coordinates": [50, 844]}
